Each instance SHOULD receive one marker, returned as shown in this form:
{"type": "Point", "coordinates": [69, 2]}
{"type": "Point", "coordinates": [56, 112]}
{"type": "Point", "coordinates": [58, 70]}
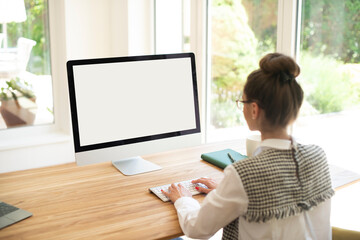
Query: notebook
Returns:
{"type": "Point", "coordinates": [10, 214]}
{"type": "Point", "coordinates": [223, 157]}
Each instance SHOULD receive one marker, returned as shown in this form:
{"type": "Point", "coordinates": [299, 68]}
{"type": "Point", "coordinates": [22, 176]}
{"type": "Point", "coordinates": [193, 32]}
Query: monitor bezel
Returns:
{"type": "Point", "coordinates": [73, 107]}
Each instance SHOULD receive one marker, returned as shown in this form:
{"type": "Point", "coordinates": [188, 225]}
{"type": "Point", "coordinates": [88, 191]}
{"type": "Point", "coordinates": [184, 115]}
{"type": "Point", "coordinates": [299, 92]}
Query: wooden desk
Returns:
{"type": "Point", "coordinates": [98, 202]}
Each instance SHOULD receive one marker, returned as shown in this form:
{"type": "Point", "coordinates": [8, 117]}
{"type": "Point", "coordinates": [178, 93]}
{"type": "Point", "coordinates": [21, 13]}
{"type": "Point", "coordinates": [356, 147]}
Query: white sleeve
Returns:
{"type": "Point", "coordinates": [219, 208]}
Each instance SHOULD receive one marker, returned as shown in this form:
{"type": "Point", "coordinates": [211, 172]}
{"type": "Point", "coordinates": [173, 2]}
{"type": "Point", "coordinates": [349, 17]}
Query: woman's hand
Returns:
{"type": "Point", "coordinates": [209, 182]}
{"type": "Point", "coordinates": [176, 191]}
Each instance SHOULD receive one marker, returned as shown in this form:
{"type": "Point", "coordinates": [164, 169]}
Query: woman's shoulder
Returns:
{"type": "Point", "coordinates": [310, 149]}
{"type": "Point", "coordinates": [259, 161]}
{"type": "Point", "coordinates": [308, 146]}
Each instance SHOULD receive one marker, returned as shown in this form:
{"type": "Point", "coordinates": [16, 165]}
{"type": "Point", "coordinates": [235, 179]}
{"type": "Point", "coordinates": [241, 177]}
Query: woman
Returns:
{"type": "Point", "coordinates": [284, 190]}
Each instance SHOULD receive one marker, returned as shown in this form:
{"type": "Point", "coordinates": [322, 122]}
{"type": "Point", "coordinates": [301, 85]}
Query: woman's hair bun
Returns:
{"type": "Point", "coordinates": [277, 63]}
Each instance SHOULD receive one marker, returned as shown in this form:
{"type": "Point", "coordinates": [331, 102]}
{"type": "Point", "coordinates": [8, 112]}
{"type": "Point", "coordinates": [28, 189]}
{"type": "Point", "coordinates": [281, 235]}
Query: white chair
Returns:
{"type": "Point", "coordinates": [13, 63]}
{"type": "Point", "coordinates": [24, 47]}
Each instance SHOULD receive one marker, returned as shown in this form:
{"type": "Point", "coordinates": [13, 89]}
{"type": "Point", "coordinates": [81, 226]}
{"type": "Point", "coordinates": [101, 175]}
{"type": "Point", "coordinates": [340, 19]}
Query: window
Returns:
{"type": "Point", "coordinates": [25, 69]}
{"type": "Point", "coordinates": [329, 56]}
{"type": "Point", "coordinates": [240, 33]}
{"type": "Point", "coordinates": [328, 52]}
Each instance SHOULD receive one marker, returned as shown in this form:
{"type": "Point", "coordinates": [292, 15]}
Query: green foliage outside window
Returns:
{"type": "Point", "coordinates": [332, 28]}
{"type": "Point", "coordinates": [238, 40]}
{"type": "Point", "coordinates": [330, 53]}
{"type": "Point", "coordinates": [244, 31]}
{"type": "Point", "coordinates": [328, 84]}
{"type": "Point", "coordinates": [36, 28]}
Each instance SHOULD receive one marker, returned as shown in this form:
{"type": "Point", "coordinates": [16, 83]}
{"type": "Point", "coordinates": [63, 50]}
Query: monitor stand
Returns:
{"type": "Point", "coordinates": [135, 165]}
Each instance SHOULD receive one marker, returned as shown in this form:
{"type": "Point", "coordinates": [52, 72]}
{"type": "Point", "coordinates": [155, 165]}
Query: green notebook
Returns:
{"type": "Point", "coordinates": [221, 158]}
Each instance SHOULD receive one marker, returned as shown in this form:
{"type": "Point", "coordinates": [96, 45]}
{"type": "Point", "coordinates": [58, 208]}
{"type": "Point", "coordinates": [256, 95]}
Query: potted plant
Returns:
{"type": "Point", "coordinates": [18, 105]}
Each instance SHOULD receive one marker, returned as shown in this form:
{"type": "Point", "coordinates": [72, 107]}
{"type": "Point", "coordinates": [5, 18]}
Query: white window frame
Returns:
{"type": "Point", "coordinates": [287, 27]}
{"type": "Point", "coordinates": [198, 45]}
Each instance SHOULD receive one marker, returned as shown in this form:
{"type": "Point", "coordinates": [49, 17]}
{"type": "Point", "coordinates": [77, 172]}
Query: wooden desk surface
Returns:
{"type": "Point", "coordinates": [98, 202]}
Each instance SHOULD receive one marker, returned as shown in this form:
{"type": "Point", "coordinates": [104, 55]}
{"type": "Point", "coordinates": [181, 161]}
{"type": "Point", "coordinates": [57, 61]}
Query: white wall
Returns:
{"type": "Point", "coordinates": [108, 28]}
{"type": "Point", "coordinates": [119, 27]}
{"type": "Point", "coordinates": [88, 28]}
{"type": "Point", "coordinates": [140, 27]}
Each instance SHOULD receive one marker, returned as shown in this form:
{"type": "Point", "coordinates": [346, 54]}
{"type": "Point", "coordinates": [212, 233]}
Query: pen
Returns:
{"type": "Point", "coordinates": [231, 158]}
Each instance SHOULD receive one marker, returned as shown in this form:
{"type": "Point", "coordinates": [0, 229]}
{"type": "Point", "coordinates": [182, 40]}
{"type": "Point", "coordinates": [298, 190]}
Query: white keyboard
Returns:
{"type": "Point", "coordinates": [187, 184]}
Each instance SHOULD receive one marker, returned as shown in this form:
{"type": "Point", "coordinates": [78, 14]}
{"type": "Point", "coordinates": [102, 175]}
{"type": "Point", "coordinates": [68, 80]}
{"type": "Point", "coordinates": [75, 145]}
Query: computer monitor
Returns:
{"type": "Point", "coordinates": [126, 107]}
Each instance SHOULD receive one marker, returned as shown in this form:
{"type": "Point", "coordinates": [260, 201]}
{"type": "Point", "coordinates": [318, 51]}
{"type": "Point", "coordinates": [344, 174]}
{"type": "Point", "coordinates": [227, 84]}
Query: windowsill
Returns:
{"type": "Point", "coordinates": [34, 147]}
{"type": "Point", "coordinates": [33, 140]}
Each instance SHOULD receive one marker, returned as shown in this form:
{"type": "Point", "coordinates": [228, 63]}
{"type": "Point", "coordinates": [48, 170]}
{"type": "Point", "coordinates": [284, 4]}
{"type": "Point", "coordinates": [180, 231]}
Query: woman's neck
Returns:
{"type": "Point", "coordinates": [276, 133]}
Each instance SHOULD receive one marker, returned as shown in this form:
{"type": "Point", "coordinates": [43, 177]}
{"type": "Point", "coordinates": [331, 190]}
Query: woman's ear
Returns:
{"type": "Point", "coordinates": [255, 110]}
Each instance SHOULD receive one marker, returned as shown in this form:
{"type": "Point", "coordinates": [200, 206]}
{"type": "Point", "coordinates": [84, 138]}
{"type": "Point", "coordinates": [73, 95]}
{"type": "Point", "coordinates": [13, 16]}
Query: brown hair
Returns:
{"type": "Point", "coordinates": [275, 89]}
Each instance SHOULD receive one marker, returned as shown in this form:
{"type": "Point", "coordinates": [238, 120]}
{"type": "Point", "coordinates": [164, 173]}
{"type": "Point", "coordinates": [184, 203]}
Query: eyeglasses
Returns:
{"type": "Point", "coordinates": [240, 103]}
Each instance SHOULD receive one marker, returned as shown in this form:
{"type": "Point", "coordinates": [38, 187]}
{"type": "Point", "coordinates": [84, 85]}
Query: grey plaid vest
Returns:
{"type": "Point", "coordinates": [278, 187]}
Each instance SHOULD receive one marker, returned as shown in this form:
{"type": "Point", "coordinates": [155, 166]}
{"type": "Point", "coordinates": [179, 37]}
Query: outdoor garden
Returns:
{"type": "Point", "coordinates": [328, 54]}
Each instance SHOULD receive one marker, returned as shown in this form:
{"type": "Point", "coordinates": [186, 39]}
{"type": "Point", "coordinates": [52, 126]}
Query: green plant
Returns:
{"type": "Point", "coordinates": [16, 88]}
{"type": "Point", "coordinates": [328, 88]}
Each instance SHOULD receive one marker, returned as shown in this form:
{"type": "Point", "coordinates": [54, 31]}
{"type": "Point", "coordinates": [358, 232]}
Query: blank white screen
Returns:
{"type": "Point", "coordinates": [125, 100]}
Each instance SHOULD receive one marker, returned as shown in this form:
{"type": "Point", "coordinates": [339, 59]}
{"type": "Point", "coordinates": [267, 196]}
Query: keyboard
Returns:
{"type": "Point", "coordinates": [187, 184]}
